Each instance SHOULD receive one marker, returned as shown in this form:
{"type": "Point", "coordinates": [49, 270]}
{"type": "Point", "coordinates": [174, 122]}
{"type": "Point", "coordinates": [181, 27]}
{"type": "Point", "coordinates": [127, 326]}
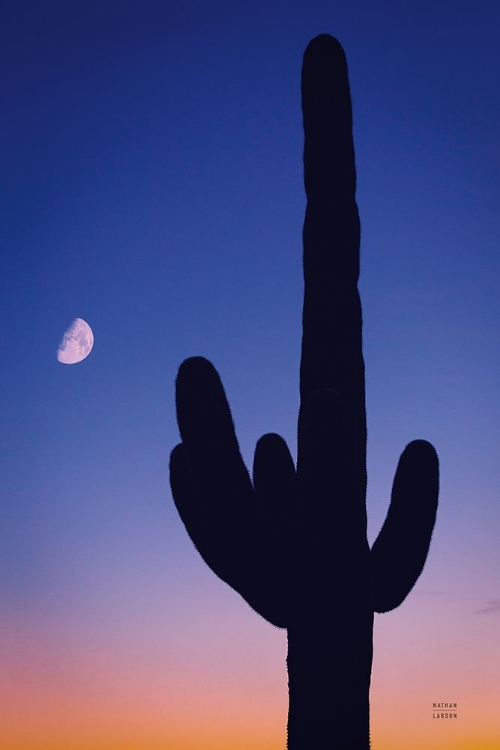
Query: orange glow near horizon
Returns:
{"type": "Point", "coordinates": [59, 692]}
{"type": "Point", "coordinates": [52, 698]}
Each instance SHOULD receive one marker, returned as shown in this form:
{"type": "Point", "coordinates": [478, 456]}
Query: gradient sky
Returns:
{"type": "Point", "coordinates": [152, 185]}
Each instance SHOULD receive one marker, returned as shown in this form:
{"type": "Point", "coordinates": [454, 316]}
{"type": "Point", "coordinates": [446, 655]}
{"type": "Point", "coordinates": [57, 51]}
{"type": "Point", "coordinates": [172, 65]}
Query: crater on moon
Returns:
{"type": "Point", "coordinates": [76, 343]}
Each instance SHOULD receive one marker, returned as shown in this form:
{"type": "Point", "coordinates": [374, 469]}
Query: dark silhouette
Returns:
{"type": "Point", "coordinates": [293, 543]}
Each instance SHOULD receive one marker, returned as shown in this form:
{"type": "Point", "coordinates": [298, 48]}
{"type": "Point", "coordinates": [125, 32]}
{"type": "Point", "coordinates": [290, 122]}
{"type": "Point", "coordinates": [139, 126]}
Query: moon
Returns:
{"type": "Point", "coordinates": [76, 343]}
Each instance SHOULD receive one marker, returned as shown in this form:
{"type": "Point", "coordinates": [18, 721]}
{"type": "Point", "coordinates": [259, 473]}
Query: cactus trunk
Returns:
{"type": "Point", "coordinates": [329, 683]}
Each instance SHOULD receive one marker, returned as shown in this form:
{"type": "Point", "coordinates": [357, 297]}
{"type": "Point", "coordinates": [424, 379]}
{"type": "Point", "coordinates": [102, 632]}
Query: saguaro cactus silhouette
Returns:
{"type": "Point", "coordinates": [293, 542]}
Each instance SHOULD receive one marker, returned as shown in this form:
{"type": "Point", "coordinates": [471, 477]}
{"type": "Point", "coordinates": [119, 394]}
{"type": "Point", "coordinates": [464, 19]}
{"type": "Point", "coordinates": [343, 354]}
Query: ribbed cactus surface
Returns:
{"type": "Point", "coordinates": [292, 540]}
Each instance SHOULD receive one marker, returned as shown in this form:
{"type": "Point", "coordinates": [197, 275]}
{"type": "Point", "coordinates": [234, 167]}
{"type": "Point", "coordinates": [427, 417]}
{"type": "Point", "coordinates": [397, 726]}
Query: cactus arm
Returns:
{"type": "Point", "coordinates": [215, 498]}
{"type": "Point", "coordinates": [275, 483]}
{"type": "Point", "coordinates": [400, 550]}
{"type": "Point", "coordinates": [207, 431]}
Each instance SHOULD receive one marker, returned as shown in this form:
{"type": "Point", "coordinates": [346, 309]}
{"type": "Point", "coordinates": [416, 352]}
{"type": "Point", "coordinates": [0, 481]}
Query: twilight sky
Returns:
{"type": "Point", "coordinates": [152, 185]}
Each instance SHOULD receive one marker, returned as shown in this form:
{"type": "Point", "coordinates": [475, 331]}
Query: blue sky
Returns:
{"type": "Point", "coordinates": [152, 185]}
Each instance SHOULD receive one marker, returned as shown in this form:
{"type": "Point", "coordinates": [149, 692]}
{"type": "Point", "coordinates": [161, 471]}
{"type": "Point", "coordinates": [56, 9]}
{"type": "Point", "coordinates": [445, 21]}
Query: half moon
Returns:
{"type": "Point", "coordinates": [76, 343]}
